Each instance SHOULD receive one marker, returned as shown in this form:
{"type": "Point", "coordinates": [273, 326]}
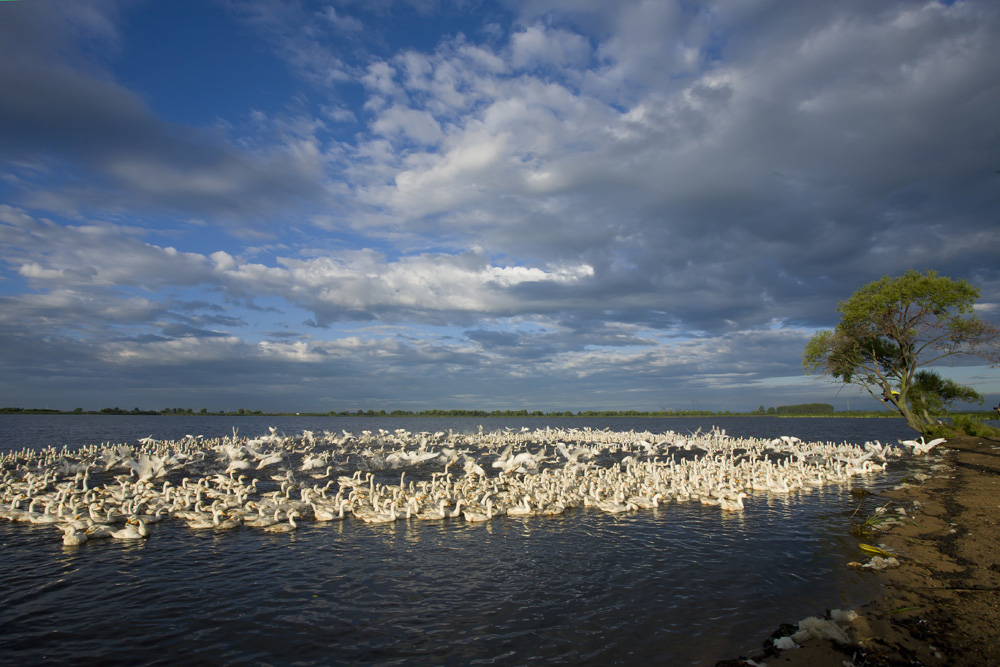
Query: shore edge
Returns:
{"type": "Point", "coordinates": [941, 604]}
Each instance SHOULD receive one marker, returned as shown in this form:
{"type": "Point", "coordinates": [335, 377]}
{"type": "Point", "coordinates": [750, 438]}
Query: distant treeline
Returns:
{"type": "Point", "coordinates": [801, 410]}
{"type": "Point", "coordinates": [377, 413]}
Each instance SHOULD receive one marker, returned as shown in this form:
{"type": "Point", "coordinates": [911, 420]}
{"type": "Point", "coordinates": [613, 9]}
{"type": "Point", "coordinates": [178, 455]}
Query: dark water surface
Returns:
{"type": "Point", "coordinates": [684, 584]}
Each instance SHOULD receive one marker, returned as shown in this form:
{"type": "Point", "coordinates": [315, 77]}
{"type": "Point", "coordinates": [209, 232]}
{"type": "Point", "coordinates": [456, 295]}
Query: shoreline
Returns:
{"type": "Point", "coordinates": [941, 604]}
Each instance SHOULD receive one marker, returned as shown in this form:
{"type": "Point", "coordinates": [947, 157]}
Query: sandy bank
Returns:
{"type": "Point", "coordinates": [941, 604]}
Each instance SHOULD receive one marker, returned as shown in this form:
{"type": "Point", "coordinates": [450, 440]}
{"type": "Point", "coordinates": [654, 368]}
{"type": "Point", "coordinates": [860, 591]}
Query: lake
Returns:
{"type": "Point", "coordinates": [683, 584]}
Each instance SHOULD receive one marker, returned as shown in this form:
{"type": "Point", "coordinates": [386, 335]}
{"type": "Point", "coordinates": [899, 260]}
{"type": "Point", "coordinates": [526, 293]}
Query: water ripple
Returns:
{"type": "Point", "coordinates": [582, 588]}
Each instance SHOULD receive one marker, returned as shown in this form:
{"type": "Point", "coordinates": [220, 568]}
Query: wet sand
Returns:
{"type": "Point", "coordinates": [941, 604]}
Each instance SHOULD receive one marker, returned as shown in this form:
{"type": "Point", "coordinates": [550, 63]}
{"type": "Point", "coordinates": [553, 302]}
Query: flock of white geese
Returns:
{"type": "Point", "coordinates": [119, 491]}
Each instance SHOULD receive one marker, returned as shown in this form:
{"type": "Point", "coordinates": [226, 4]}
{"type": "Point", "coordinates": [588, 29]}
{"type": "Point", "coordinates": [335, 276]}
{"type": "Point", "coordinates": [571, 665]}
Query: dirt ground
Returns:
{"type": "Point", "coordinates": [941, 604]}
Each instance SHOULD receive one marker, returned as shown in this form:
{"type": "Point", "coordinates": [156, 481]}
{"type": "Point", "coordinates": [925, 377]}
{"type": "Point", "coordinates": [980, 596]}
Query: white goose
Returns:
{"type": "Point", "coordinates": [72, 537]}
{"type": "Point", "coordinates": [732, 503]}
{"type": "Point", "coordinates": [920, 447]}
{"type": "Point", "coordinates": [382, 516]}
{"type": "Point", "coordinates": [289, 527]}
{"type": "Point", "coordinates": [201, 523]}
{"type": "Point", "coordinates": [473, 515]}
{"type": "Point", "coordinates": [430, 515]}
{"type": "Point", "coordinates": [133, 530]}
{"type": "Point", "coordinates": [523, 508]}
{"type": "Point", "coordinates": [327, 513]}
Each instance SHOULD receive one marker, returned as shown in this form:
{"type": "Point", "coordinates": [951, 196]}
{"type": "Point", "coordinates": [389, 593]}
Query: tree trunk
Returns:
{"type": "Point", "coordinates": [921, 425]}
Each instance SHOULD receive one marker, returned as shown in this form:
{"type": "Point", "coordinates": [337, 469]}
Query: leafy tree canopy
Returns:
{"type": "Point", "coordinates": [930, 394]}
{"type": "Point", "coordinates": [891, 328]}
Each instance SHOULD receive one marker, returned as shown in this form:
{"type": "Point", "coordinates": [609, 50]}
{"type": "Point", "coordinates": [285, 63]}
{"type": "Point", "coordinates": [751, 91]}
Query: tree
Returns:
{"type": "Point", "coordinates": [891, 328]}
{"type": "Point", "coordinates": [930, 394]}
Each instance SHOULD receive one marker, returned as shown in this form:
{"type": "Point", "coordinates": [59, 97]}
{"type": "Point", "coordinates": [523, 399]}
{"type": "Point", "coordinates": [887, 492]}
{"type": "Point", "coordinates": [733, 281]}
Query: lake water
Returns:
{"type": "Point", "coordinates": [684, 584]}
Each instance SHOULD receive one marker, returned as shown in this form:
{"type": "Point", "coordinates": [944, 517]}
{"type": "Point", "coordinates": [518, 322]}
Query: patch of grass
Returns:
{"type": "Point", "coordinates": [967, 425]}
{"type": "Point", "coordinates": [902, 609]}
{"type": "Point", "coordinates": [868, 527]}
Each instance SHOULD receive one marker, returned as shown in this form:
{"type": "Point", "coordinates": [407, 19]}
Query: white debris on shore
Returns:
{"type": "Point", "coordinates": [814, 627]}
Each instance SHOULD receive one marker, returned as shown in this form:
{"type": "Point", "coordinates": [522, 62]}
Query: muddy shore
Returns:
{"type": "Point", "coordinates": [941, 604]}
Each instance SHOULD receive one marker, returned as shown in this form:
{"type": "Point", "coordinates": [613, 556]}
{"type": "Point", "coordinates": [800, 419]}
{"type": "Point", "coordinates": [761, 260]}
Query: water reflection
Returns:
{"type": "Point", "coordinates": [583, 587]}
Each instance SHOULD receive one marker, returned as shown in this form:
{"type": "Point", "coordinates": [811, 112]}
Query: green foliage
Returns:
{"type": "Point", "coordinates": [930, 393]}
{"type": "Point", "coordinates": [868, 528]}
{"type": "Point", "coordinates": [798, 409]}
{"type": "Point", "coordinates": [804, 409]}
{"type": "Point", "coordinates": [967, 425]}
{"type": "Point", "coordinates": [892, 327]}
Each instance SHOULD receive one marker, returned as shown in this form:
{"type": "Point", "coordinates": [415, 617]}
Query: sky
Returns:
{"type": "Point", "coordinates": [414, 204]}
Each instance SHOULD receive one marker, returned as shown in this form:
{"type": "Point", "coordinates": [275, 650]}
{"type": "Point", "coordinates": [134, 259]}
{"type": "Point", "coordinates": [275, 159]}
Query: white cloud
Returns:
{"type": "Point", "coordinates": [293, 33]}
{"type": "Point", "coordinates": [418, 126]}
{"type": "Point", "coordinates": [341, 22]}
{"type": "Point", "coordinates": [427, 283]}
{"type": "Point", "coordinates": [632, 189]}
{"type": "Point", "coordinates": [106, 256]}
{"type": "Point", "coordinates": [541, 46]}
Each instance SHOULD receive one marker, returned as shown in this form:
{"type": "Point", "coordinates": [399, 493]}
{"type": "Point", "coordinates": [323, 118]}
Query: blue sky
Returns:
{"type": "Point", "coordinates": [545, 205]}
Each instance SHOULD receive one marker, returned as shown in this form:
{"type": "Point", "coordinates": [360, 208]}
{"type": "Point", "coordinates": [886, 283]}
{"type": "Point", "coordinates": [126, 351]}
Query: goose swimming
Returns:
{"type": "Point", "coordinates": [133, 530]}
{"type": "Point", "coordinates": [284, 527]}
{"type": "Point", "coordinates": [73, 537]}
{"type": "Point", "coordinates": [485, 475]}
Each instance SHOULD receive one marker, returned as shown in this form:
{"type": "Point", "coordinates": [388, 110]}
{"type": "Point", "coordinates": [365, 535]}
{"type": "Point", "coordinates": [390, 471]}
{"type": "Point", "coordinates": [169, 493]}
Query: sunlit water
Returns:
{"type": "Point", "coordinates": [685, 584]}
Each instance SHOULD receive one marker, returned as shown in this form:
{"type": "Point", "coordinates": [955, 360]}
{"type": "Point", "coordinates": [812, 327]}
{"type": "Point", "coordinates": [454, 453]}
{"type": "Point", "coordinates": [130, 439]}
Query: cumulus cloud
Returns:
{"type": "Point", "coordinates": [831, 138]}
{"type": "Point", "coordinates": [357, 284]}
{"type": "Point", "coordinates": [426, 284]}
{"type": "Point", "coordinates": [540, 46]}
{"type": "Point", "coordinates": [419, 126]}
{"type": "Point", "coordinates": [629, 203]}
